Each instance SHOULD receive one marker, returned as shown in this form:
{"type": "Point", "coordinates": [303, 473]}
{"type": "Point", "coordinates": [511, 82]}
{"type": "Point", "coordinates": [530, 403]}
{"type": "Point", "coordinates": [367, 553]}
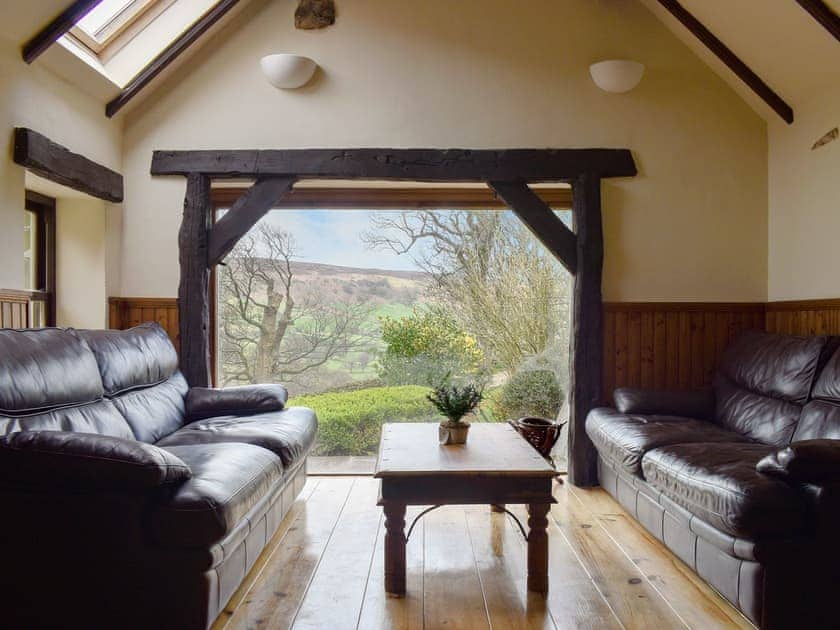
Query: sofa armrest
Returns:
{"type": "Point", "coordinates": [808, 461]}
{"type": "Point", "coordinates": [207, 402]}
{"type": "Point", "coordinates": [86, 462]}
{"type": "Point", "coordinates": [695, 403]}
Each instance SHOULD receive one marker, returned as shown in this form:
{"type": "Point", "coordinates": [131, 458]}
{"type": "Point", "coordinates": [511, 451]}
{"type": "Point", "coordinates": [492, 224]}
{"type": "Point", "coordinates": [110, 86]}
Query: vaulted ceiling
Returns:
{"type": "Point", "coordinates": [781, 42]}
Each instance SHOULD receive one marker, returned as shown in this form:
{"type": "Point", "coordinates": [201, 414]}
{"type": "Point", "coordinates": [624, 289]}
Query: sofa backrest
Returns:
{"type": "Point", "coordinates": [763, 382]}
{"type": "Point", "coordinates": [821, 416]}
{"type": "Point", "coordinates": [139, 371]}
{"type": "Point", "coordinates": [50, 381]}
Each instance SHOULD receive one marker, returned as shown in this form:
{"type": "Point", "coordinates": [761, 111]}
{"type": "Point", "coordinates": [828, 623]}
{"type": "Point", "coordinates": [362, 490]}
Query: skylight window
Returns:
{"type": "Point", "coordinates": [108, 20]}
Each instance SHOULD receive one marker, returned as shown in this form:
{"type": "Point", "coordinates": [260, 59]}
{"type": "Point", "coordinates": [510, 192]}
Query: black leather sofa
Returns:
{"type": "Point", "coordinates": [741, 481]}
{"type": "Point", "coordinates": [129, 499]}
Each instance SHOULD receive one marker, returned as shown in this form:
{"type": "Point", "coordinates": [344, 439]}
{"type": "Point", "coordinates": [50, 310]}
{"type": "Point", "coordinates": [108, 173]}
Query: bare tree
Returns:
{"type": "Point", "coordinates": [271, 330]}
{"type": "Point", "coordinates": [503, 286]}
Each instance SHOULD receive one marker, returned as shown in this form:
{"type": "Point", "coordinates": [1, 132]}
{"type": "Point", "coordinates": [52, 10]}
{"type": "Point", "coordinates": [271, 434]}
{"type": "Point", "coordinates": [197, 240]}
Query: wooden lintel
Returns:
{"type": "Point", "coordinates": [243, 214]}
{"type": "Point", "coordinates": [168, 55]}
{"type": "Point", "coordinates": [52, 161]}
{"type": "Point", "coordinates": [62, 23]}
{"type": "Point", "coordinates": [430, 165]}
{"type": "Point", "coordinates": [194, 288]}
{"type": "Point", "coordinates": [587, 338]}
{"type": "Point", "coordinates": [732, 61]}
{"type": "Point", "coordinates": [823, 14]}
{"type": "Point", "coordinates": [541, 220]}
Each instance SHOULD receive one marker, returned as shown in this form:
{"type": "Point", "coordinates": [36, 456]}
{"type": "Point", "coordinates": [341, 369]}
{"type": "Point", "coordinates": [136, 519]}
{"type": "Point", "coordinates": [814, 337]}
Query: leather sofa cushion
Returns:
{"type": "Point", "coordinates": [720, 485]}
{"type": "Point", "coordinates": [827, 386]}
{"type": "Point", "coordinates": [227, 481]}
{"type": "Point", "coordinates": [820, 419]}
{"type": "Point", "coordinates": [289, 433]}
{"type": "Point", "coordinates": [208, 402]}
{"type": "Point", "coordinates": [99, 417]}
{"type": "Point", "coordinates": [775, 366]}
{"type": "Point", "coordinates": [691, 403]}
{"type": "Point", "coordinates": [154, 412]}
{"type": "Point", "coordinates": [86, 462]}
{"type": "Point", "coordinates": [128, 359]}
{"type": "Point", "coordinates": [761, 418]}
{"type": "Point", "coordinates": [45, 368]}
{"type": "Point", "coordinates": [624, 439]}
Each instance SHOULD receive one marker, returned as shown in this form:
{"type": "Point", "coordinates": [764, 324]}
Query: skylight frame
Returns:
{"type": "Point", "coordinates": [121, 28]}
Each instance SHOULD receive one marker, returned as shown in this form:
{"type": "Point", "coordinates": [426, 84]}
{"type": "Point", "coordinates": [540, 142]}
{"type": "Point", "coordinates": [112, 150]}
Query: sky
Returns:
{"type": "Point", "coordinates": [333, 237]}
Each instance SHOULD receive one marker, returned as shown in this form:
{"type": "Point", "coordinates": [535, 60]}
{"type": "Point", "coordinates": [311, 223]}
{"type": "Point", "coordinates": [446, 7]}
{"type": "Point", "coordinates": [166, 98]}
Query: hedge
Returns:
{"type": "Point", "coordinates": [349, 423]}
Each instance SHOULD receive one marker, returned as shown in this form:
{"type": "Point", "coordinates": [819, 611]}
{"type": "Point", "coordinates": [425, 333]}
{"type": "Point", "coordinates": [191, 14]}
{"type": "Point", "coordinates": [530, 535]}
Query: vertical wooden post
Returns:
{"type": "Point", "coordinates": [587, 327]}
{"type": "Point", "coordinates": [194, 289]}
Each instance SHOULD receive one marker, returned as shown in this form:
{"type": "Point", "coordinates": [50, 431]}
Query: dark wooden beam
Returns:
{"type": "Point", "coordinates": [732, 61]}
{"type": "Point", "coordinates": [194, 288]}
{"type": "Point", "coordinates": [168, 55]}
{"type": "Point", "coordinates": [434, 165]}
{"type": "Point", "coordinates": [587, 336]}
{"type": "Point", "coordinates": [62, 23]}
{"type": "Point", "coordinates": [52, 161]}
{"type": "Point", "coordinates": [541, 220]}
{"type": "Point", "coordinates": [823, 14]}
{"type": "Point", "coordinates": [244, 213]}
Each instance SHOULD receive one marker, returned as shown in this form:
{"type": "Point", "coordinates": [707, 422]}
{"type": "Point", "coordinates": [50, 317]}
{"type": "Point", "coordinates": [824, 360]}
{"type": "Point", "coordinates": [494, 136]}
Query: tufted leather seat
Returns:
{"type": "Point", "coordinates": [624, 439]}
{"type": "Point", "coordinates": [227, 481]}
{"type": "Point", "coordinates": [719, 484]}
{"type": "Point", "coordinates": [289, 435]}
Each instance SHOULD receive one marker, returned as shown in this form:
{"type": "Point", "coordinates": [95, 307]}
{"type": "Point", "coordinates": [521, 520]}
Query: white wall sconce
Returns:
{"type": "Point", "coordinates": [617, 75]}
{"type": "Point", "coordinates": [286, 71]}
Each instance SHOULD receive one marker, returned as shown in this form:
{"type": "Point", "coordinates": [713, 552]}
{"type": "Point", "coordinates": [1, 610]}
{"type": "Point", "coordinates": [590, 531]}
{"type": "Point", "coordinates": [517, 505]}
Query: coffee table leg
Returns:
{"type": "Point", "coordinates": [395, 548]}
{"type": "Point", "coordinates": [538, 547]}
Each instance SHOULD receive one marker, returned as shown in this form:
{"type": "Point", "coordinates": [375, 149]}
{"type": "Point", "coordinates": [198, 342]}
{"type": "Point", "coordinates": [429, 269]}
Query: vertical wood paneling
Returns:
{"type": "Point", "coordinates": [670, 345]}
{"type": "Point", "coordinates": [14, 307]}
{"type": "Point", "coordinates": [127, 312]}
{"type": "Point", "coordinates": [807, 317]}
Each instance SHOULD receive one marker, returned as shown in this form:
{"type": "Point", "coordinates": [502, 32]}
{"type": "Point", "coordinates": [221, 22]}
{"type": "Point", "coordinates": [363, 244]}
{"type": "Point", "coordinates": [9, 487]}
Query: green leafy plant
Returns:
{"type": "Point", "coordinates": [422, 348]}
{"type": "Point", "coordinates": [455, 402]}
{"type": "Point", "coordinates": [530, 393]}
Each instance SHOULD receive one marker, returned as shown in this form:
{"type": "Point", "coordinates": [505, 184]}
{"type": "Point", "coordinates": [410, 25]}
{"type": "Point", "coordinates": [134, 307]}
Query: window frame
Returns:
{"type": "Point", "coordinates": [120, 29]}
{"type": "Point", "coordinates": [43, 208]}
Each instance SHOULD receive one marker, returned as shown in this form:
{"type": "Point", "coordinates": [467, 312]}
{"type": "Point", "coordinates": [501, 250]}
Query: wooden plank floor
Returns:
{"type": "Point", "coordinates": [466, 570]}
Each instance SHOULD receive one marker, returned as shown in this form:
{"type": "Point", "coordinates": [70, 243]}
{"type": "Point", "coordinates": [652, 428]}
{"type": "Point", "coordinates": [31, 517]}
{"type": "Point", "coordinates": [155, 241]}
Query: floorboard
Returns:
{"type": "Point", "coordinates": [466, 570]}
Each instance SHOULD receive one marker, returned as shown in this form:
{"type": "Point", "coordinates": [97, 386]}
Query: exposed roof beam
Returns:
{"type": "Point", "coordinates": [48, 35]}
{"type": "Point", "coordinates": [732, 61]}
{"type": "Point", "coordinates": [424, 165]}
{"type": "Point", "coordinates": [168, 55]}
{"type": "Point", "coordinates": [44, 157]}
{"type": "Point", "coordinates": [823, 14]}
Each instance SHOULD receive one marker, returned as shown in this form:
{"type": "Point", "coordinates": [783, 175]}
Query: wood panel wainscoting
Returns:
{"type": "Point", "coordinates": [23, 309]}
{"type": "Point", "coordinates": [646, 344]}
{"type": "Point", "coordinates": [125, 312]}
{"type": "Point", "coordinates": [673, 345]}
{"type": "Point", "coordinates": [804, 317]}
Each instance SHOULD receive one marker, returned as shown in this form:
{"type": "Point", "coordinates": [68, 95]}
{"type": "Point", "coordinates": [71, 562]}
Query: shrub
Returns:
{"type": "Point", "coordinates": [425, 347]}
{"type": "Point", "coordinates": [530, 393]}
{"type": "Point", "coordinates": [349, 423]}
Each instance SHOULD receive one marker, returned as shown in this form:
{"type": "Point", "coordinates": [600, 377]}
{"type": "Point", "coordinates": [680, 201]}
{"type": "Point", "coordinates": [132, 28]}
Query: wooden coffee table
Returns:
{"type": "Point", "coordinates": [495, 467]}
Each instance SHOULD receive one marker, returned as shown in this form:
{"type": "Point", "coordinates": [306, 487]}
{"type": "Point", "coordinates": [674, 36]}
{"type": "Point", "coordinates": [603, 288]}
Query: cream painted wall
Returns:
{"type": "Point", "coordinates": [804, 205]}
{"type": "Point", "coordinates": [81, 300]}
{"type": "Point", "coordinates": [33, 97]}
{"type": "Point", "coordinates": [480, 74]}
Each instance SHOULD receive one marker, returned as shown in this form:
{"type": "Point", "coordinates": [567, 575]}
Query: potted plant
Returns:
{"type": "Point", "coordinates": [454, 402]}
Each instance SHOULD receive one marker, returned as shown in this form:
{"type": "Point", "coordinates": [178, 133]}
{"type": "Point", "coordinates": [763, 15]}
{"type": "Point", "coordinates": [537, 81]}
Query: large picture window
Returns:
{"type": "Point", "coordinates": [360, 311]}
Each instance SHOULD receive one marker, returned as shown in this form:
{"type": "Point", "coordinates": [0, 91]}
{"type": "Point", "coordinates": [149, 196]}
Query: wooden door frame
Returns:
{"type": "Point", "coordinates": [44, 209]}
{"type": "Point", "coordinates": [203, 243]}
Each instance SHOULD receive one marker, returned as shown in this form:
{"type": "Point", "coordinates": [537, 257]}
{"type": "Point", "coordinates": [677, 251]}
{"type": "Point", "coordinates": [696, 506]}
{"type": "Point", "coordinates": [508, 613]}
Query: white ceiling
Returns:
{"type": "Point", "coordinates": [778, 39]}
{"type": "Point", "coordinates": [794, 54]}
